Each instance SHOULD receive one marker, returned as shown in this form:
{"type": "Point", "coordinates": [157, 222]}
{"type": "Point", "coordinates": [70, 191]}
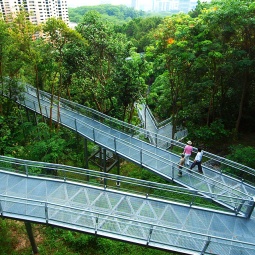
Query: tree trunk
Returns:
{"type": "Point", "coordinates": [240, 112]}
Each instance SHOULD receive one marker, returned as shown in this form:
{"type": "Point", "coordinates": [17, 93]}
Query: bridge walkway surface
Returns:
{"type": "Point", "coordinates": [224, 232]}
{"type": "Point", "coordinates": [128, 141]}
{"type": "Point", "coordinates": [58, 200]}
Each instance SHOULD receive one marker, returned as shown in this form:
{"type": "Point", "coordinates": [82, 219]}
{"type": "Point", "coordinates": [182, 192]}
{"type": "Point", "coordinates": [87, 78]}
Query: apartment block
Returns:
{"type": "Point", "coordinates": [165, 5]}
{"type": "Point", "coordinates": [39, 10]}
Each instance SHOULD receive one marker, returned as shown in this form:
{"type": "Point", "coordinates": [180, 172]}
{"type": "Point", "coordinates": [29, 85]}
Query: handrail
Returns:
{"type": "Point", "coordinates": [148, 152]}
{"type": "Point", "coordinates": [219, 185]}
{"type": "Point", "coordinates": [102, 218]}
{"type": "Point", "coordinates": [158, 124]}
{"type": "Point", "coordinates": [153, 155]}
{"type": "Point", "coordinates": [158, 137]}
{"type": "Point", "coordinates": [151, 186]}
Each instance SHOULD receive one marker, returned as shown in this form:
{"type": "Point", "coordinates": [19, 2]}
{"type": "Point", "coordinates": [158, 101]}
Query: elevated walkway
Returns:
{"type": "Point", "coordinates": [114, 213]}
{"type": "Point", "coordinates": [129, 142]}
{"type": "Point", "coordinates": [163, 128]}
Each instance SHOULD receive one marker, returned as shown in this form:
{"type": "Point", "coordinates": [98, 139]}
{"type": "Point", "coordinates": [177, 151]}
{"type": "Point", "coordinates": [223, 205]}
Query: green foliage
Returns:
{"type": "Point", "coordinates": [130, 79]}
{"type": "Point", "coordinates": [244, 155]}
{"type": "Point", "coordinates": [203, 67]}
{"type": "Point", "coordinates": [6, 240]}
{"type": "Point", "coordinates": [78, 242]}
{"type": "Point", "coordinates": [214, 137]}
{"type": "Point", "coordinates": [116, 14]}
{"type": "Point", "coordinates": [140, 31]}
{"type": "Point", "coordinates": [10, 130]}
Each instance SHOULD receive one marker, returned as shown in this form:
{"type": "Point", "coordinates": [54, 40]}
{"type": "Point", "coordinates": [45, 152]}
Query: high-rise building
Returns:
{"type": "Point", "coordinates": [135, 4]}
{"type": "Point", "coordinates": [184, 5]}
{"type": "Point", "coordinates": [166, 5]}
{"type": "Point", "coordinates": [39, 10]}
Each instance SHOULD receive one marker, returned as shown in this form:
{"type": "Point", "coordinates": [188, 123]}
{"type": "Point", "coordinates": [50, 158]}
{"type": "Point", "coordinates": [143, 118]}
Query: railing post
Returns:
{"type": "Point", "coordinates": [173, 171]}
{"type": "Point", "coordinates": [115, 145]}
{"type": "Point", "coordinates": [118, 171]}
{"type": "Point", "coordinates": [149, 236]}
{"type": "Point", "coordinates": [206, 245]}
{"type": "Point", "coordinates": [86, 154]}
{"type": "Point", "coordinates": [250, 208]}
{"type": "Point", "coordinates": [1, 208]}
{"type": "Point", "coordinates": [94, 137]}
{"type": "Point", "coordinates": [156, 140]}
{"type": "Point", "coordinates": [26, 170]}
{"type": "Point", "coordinates": [46, 213]}
{"type": "Point", "coordinates": [104, 166]}
{"type": "Point", "coordinates": [96, 225]}
{"type": "Point", "coordinates": [75, 124]}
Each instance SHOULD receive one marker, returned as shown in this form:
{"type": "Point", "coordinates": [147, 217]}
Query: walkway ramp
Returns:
{"type": "Point", "coordinates": [128, 141]}
{"type": "Point", "coordinates": [113, 213]}
{"type": "Point", "coordinates": [153, 127]}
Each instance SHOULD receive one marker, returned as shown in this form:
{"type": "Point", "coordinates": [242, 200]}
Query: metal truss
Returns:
{"type": "Point", "coordinates": [125, 216]}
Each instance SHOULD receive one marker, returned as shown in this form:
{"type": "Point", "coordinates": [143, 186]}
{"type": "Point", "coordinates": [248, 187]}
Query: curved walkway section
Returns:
{"type": "Point", "coordinates": [116, 214]}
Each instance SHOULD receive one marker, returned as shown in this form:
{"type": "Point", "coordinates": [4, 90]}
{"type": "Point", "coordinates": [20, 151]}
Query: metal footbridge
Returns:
{"type": "Point", "coordinates": [117, 213]}
{"type": "Point", "coordinates": [129, 142]}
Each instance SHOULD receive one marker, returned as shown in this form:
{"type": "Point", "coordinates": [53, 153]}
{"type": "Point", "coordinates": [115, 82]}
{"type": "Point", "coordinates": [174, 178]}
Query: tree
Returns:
{"type": "Point", "coordinates": [174, 57]}
{"type": "Point", "coordinates": [130, 77]}
{"type": "Point", "coordinates": [205, 64]}
{"type": "Point", "coordinates": [105, 50]}
{"type": "Point", "coordinates": [4, 38]}
{"type": "Point", "coordinates": [58, 35]}
{"type": "Point", "coordinates": [230, 29]}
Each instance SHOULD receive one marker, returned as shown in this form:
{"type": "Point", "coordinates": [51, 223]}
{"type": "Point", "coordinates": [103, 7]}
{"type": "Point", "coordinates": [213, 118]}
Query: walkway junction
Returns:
{"type": "Point", "coordinates": [105, 204]}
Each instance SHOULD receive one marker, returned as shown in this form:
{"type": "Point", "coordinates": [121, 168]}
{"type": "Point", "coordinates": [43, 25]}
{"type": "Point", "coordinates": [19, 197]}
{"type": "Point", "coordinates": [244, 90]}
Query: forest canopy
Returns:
{"type": "Point", "coordinates": [196, 68]}
{"type": "Point", "coordinates": [115, 13]}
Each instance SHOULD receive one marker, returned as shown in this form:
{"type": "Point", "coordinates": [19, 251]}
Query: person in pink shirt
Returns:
{"type": "Point", "coordinates": [187, 152]}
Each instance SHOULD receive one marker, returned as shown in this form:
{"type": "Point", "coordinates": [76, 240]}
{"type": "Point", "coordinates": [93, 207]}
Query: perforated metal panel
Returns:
{"type": "Point", "coordinates": [124, 139]}
{"type": "Point", "coordinates": [124, 215]}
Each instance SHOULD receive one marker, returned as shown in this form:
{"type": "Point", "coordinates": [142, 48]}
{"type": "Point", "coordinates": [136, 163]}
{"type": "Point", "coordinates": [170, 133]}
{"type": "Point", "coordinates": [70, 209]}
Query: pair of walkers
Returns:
{"type": "Point", "coordinates": [184, 161]}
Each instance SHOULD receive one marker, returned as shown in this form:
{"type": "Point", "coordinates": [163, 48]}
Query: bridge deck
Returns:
{"type": "Point", "coordinates": [124, 216]}
{"type": "Point", "coordinates": [131, 146]}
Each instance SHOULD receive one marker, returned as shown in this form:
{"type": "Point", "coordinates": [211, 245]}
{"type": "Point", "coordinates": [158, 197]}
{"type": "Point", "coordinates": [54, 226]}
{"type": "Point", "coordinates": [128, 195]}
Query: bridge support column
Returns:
{"type": "Point", "coordinates": [35, 119]}
{"type": "Point", "coordinates": [28, 116]}
{"type": "Point", "coordinates": [86, 156]}
{"type": "Point", "coordinates": [31, 237]}
{"type": "Point", "coordinates": [100, 159]}
{"type": "Point", "coordinates": [104, 165]}
{"type": "Point", "coordinates": [118, 169]}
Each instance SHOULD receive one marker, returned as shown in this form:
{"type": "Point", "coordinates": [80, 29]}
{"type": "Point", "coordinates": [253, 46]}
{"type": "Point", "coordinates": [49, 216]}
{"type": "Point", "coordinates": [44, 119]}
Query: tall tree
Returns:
{"type": "Point", "coordinates": [130, 78]}
{"type": "Point", "coordinates": [58, 35]}
{"type": "Point", "coordinates": [174, 56]}
{"type": "Point", "coordinates": [102, 54]}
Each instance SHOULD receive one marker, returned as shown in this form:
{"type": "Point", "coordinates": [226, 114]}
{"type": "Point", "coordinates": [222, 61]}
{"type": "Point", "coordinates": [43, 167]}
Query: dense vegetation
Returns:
{"type": "Point", "coordinates": [117, 14]}
{"type": "Point", "coordinates": [197, 68]}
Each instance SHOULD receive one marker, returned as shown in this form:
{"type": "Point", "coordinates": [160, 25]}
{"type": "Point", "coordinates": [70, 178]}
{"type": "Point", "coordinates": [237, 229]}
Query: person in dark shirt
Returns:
{"type": "Point", "coordinates": [198, 160]}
